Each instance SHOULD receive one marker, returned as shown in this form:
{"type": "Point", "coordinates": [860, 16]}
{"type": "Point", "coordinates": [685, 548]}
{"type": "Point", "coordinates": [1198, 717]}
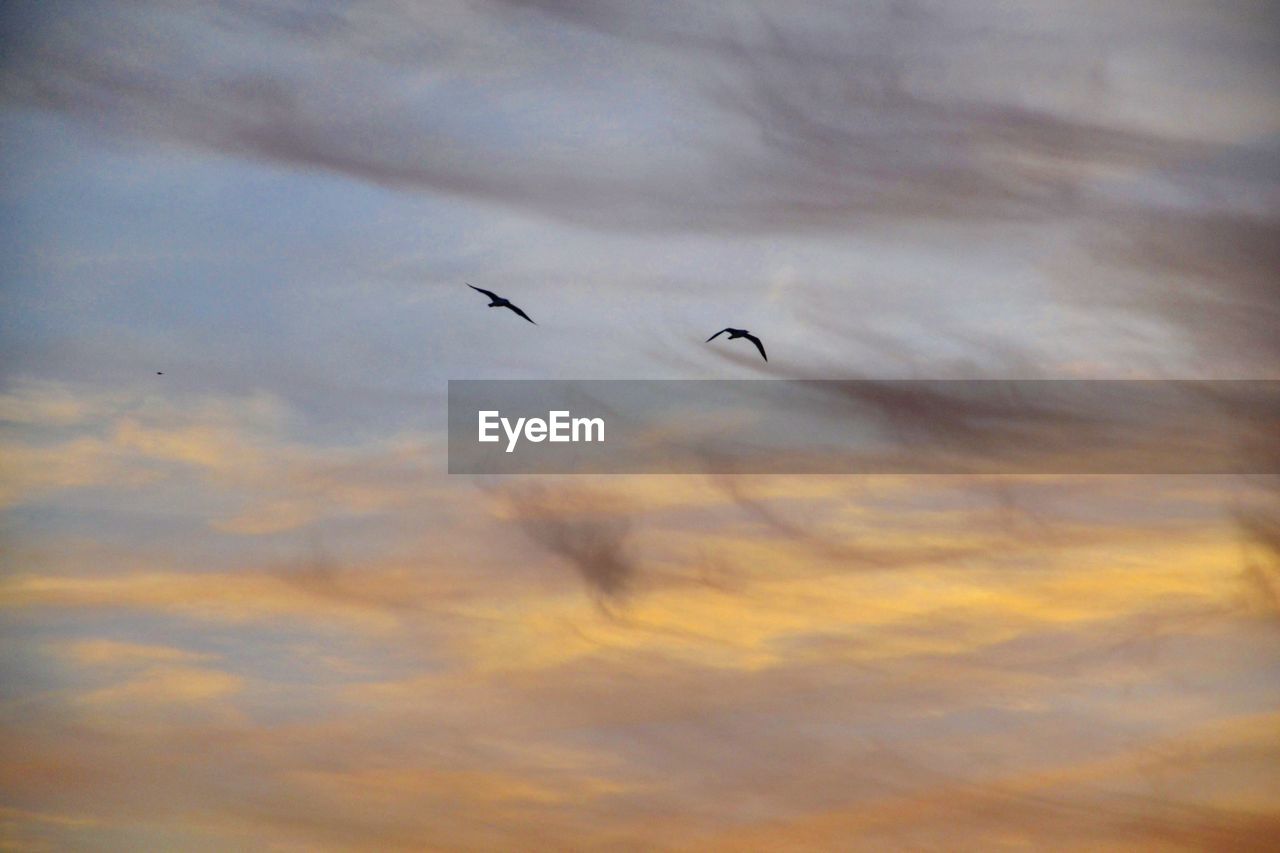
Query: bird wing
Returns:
{"type": "Point", "coordinates": [521, 313]}
{"type": "Point", "coordinates": [488, 293]}
{"type": "Point", "coordinates": [759, 345]}
{"type": "Point", "coordinates": [716, 335]}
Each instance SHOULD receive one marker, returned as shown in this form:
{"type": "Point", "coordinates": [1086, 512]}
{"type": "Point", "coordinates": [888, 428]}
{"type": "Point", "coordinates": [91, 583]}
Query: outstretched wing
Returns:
{"type": "Point", "coordinates": [759, 345]}
{"type": "Point", "coordinates": [716, 335]}
{"type": "Point", "coordinates": [518, 311]}
{"type": "Point", "coordinates": [488, 293]}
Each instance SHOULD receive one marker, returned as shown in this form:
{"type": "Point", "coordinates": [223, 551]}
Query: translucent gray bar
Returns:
{"type": "Point", "coordinates": [866, 427]}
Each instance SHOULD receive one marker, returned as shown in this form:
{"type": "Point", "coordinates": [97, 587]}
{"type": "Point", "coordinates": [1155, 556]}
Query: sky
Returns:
{"type": "Point", "coordinates": [243, 605]}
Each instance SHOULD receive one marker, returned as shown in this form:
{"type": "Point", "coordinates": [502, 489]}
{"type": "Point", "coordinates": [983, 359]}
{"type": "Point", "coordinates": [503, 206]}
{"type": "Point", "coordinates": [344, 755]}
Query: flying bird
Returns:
{"type": "Point", "coordinates": [741, 333]}
{"type": "Point", "coordinates": [159, 373]}
{"type": "Point", "coordinates": [498, 302]}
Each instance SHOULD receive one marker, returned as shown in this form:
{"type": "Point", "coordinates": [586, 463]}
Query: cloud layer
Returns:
{"type": "Point", "coordinates": [243, 606]}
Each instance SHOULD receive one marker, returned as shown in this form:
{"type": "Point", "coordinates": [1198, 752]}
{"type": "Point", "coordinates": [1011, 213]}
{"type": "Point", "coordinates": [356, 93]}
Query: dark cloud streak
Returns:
{"type": "Point", "coordinates": [587, 530]}
{"type": "Point", "coordinates": [813, 120]}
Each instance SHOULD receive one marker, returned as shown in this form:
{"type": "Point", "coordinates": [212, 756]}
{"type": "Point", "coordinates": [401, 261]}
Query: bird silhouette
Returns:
{"type": "Point", "coordinates": [159, 373]}
{"type": "Point", "coordinates": [497, 301]}
{"type": "Point", "coordinates": [741, 333]}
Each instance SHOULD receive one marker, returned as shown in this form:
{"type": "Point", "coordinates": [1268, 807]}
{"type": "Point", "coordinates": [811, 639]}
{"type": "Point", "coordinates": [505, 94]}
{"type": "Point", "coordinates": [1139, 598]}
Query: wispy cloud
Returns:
{"type": "Point", "coordinates": [772, 123]}
{"type": "Point", "coordinates": [587, 529]}
{"type": "Point", "coordinates": [244, 607]}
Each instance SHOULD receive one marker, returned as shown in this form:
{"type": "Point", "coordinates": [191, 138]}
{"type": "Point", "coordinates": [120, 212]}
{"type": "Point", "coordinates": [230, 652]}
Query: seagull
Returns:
{"type": "Point", "coordinates": [741, 333]}
{"type": "Point", "coordinates": [499, 302]}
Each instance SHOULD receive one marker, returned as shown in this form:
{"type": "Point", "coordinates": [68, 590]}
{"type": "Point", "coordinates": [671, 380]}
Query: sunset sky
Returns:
{"type": "Point", "coordinates": [243, 605]}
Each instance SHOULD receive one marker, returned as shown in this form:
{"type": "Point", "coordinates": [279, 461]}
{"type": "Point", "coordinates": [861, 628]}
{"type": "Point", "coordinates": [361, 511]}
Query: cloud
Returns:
{"type": "Point", "coordinates": [848, 550]}
{"type": "Point", "coordinates": [1016, 660]}
{"type": "Point", "coordinates": [1087, 804]}
{"type": "Point", "coordinates": [46, 404]}
{"type": "Point", "coordinates": [1211, 276]}
{"type": "Point", "coordinates": [238, 447]}
{"type": "Point", "coordinates": [233, 597]}
{"type": "Point", "coordinates": [29, 473]}
{"type": "Point", "coordinates": [1259, 520]}
{"type": "Point", "coordinates": [168, 684]}
{"type": "Point", "coordinates": [729, 714]}
{"type": "Point", "coordinates": [103, 652]}
{"type": "Point", "coordinates": [738, 120]}
{"type": "Point", "coordinates": [587, 529]}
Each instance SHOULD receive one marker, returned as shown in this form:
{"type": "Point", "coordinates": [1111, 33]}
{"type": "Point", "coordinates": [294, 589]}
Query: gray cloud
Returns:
{"type": "Point", "coordinates": [1214, 278]}
{"type": "Point", "coordinates": [588, 530]}
{"type": "Point", "coordinates": [714, 119]}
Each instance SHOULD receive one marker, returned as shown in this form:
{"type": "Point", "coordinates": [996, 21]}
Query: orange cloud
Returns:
{"type": "Point", "coordinates": [168, 684]}
{"type": "Point", "coordinates": [115, 653]}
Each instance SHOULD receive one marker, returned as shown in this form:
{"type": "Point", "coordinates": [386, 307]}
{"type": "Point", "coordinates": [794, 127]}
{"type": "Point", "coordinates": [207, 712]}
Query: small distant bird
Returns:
{"type": "Point", "coordinates": [741, 333]}
{"type": "Point", "coordinates": [159, 373]}
{"type": "Point", "coordinates": [498, 302]}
